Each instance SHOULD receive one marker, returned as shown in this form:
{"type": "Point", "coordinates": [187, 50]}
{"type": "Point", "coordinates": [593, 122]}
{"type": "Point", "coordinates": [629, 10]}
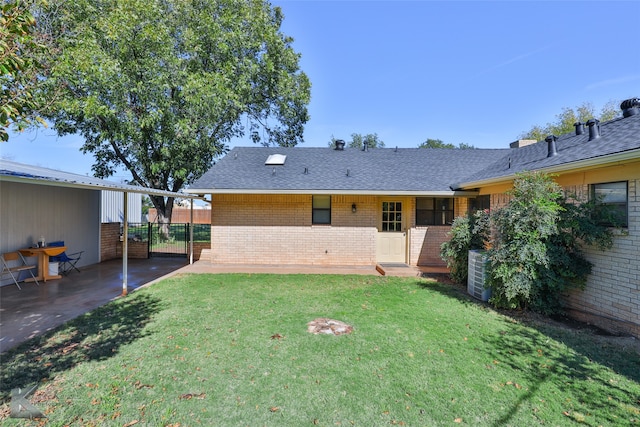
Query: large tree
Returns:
{"type": "Point", "coordinates": [568, 117]}
{"type": "Point", "coordinates": [160, 86]}
{"type": "Point", "coordinates": [23, 54]}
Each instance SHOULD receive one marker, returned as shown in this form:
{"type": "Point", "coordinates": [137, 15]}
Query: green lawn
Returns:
{"type": "Point", "coordinates": [233, 350]}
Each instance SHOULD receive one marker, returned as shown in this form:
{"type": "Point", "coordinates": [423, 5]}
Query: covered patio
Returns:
{"type": "Point", "coordinates": [36, 309]}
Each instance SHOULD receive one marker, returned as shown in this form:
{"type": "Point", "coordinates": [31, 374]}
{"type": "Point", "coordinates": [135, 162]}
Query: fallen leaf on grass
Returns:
{"type": "Point", "coordinates": [274, 409]}
{"type": "Point", "coordinates": [69, 348]}
{"type": "Point", "coordinates": [457, 420]}
{"type": "Point", "coordinates": [193, 396]}
{"type": "Point", "coordinates": [276, 337]}
{"type": "Point", "coordinates": [134, 422]}
{"type": "Point", "coordinates": [139, 385]}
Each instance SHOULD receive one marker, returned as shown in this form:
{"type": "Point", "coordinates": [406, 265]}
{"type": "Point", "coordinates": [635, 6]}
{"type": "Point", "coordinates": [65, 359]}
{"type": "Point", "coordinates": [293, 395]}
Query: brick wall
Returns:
{"type": "Point", "coordinates": [111, 246]}
{"type": "Point", "coordinates": [611, 298]}
{"type": "Point", "coordinates": [197, 249]}
{"type": "Point", "coordinates": [293, 245]}
{"type": "Point", "coordinates": [277, 229]}
{"type": "Point", "coordinates": [425, 241]}
{"type": "Point", "coordinates": [109, 240]}
{"type": "Point", "coordinates": [424, 245]}
{"type": "Point", "coordinates": [272, 229]}
{"type": "Point", "coordinates": [135, 250]}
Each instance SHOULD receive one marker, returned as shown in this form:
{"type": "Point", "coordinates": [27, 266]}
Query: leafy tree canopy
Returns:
{"type": "Point", "coordinates": [438, 143]}
{"type": "Point", "coordinates": [20, 71]}
{"type": "Point", "coordinates": [371, 139]}
{"type": "Point", "coordinates": [568, 117]}
{"type": "Point", "coordinates": [160, 86]}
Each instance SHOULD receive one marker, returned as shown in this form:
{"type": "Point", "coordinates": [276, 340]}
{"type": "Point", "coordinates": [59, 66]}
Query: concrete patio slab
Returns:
{"type": "Point", "coordinates": [36, 309]}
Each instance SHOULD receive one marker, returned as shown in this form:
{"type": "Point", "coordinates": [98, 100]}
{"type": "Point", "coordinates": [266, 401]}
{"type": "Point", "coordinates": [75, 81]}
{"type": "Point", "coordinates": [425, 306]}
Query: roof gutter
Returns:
{"type": "Point", "coordinates": [601, 161]}
{"type": "Point", "coordinates": [89, 186]}
{"type": "Point", "coordinates": [452, 193]}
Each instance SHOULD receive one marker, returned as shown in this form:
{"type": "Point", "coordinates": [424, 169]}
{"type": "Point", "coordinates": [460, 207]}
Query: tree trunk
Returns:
{"type": "Point", "coordinates": [164, 209]}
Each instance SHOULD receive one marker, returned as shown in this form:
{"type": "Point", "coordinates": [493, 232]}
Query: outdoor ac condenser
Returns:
{"type": "Point", "coordinates": [477, 271]}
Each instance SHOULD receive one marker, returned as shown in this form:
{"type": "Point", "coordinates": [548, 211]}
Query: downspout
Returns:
{"type": "Point", "coordinates": [408, 260]}
{"type": "Point", "coordinates": [125, 243]}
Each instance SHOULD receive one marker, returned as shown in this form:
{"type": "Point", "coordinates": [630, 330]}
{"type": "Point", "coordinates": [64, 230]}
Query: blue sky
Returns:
{"type": "Point", "coordinates": [477, 72]}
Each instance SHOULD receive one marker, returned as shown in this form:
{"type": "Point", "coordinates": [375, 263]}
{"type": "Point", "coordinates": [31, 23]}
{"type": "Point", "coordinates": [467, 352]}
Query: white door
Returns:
{"type": "Point", "coordinates": [392, 239]}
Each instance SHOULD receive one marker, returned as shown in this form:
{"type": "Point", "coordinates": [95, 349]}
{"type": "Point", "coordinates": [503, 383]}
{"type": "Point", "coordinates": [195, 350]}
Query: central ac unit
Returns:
{"type": "Point", "coordinates": [477, 274]}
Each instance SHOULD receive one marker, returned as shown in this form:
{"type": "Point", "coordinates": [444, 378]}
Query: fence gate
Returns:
{"type": "Point", "coordinates": [174, 244]}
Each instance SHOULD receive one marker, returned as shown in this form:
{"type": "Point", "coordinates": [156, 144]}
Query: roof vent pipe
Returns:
{"type": "Point", "coordinates": [630, 107]}
{"type": "Point", "coordinates": [339, 145]}
{"type": "Point", "coordinates": [552, 150]}
{"type": "Point", "coordinates": [594, 129]}
{"type": "Point", "coordinates": [579, 128]}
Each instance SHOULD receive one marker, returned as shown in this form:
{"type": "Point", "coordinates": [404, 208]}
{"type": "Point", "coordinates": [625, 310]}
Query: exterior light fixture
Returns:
{"type": "Point", "coordinates": [353, 208]}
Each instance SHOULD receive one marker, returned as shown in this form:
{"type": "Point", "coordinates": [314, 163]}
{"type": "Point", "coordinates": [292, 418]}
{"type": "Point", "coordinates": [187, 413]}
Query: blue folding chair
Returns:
{"type": "Point", "coordinates": [66, 263]}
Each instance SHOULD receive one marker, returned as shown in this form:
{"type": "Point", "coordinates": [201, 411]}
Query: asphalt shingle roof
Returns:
{"type": "Point", "coordinates": [616, 136]}
{"type": "Point", "coordinates": [406, 170]}
{"type": "Point", "coordinates": [376, 170]}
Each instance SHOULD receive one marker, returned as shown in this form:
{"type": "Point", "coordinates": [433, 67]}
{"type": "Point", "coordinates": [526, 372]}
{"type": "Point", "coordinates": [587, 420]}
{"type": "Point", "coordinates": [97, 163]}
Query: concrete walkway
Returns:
{"type": "Point", "coordinates": [34, 310]}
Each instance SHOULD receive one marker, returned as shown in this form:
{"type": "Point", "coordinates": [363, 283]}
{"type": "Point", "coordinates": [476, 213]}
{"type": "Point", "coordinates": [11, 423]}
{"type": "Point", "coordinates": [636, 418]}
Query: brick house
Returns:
{"type": "Point", "coordinates": [597, 159]}
{"type": "Point", "coordinates": [340, 206]}
{"type": "Point", "coordinates": [326, 206]}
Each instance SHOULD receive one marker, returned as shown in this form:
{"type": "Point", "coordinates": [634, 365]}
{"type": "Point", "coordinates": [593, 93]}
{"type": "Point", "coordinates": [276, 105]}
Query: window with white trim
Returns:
{"type": "Point", "coordinates": [391, 216]}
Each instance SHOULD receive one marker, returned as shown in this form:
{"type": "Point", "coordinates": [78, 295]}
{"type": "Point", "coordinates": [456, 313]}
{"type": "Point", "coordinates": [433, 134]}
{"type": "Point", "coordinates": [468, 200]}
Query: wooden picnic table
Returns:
{"type": "Point", "coordinates": [43, 255]}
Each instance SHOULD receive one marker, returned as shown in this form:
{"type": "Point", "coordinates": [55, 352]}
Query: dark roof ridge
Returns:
{"type": "Point", "coordinates": [618, 135]}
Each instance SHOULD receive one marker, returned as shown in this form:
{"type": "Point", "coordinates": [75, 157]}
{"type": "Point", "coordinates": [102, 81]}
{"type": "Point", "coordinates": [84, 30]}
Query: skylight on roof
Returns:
{"type": "Point", "coordinates": [276, 159]}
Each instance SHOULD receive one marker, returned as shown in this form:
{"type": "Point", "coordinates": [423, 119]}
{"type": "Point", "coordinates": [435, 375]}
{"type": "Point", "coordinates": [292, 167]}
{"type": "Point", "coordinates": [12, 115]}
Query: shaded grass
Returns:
{"type": "Point", "coordinates": [233, 350]}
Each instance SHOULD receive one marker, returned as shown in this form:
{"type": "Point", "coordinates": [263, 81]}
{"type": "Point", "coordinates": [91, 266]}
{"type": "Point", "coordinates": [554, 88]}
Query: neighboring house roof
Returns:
{"type": "Point", "coordinates": [387, 171]}
{"type": "Point", "coordinates": [19, 172]}
{"type": "Point", "coordinates": [619, 141]}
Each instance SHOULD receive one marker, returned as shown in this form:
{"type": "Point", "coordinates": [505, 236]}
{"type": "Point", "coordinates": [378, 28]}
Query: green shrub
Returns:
{"type": "Point", "coordinates": [536, 252]}
{"type": "Point", "coordinates": [467, 232]}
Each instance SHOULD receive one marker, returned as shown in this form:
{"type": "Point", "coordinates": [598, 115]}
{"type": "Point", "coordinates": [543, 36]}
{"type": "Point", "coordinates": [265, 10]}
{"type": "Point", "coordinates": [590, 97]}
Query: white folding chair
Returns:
{"type": "Point", "coordinates": [13, 263]}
